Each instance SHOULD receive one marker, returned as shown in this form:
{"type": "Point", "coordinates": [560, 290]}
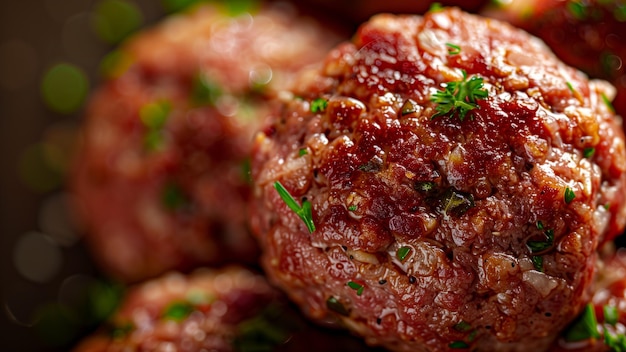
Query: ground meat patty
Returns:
{"type": "Point", "coordinates": [590, 35]}
{"type": "Point", "coordinates": [430, 233]}
{"type": "Point", "coordinates": [229, 309]}
{"type": "Point", "coordinates": [162, 173]}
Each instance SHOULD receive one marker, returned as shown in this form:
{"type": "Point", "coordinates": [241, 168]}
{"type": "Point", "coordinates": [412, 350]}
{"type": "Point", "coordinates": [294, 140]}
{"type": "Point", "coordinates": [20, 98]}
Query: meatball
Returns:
{"type": "Point", "coordinates": [594, 30]}
{"type": "Point", "coordinates": [162, 175]}
{"type": "Point", "coordinates": [440, 182]}
{"type": "Point", "coordinates": [230, 309]}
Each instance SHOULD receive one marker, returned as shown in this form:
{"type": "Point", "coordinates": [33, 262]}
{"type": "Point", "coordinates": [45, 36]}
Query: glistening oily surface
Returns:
{"type": "Point", "coordinates": [435, 233]}
{"type": "Point", "coordinates": [162, 174]}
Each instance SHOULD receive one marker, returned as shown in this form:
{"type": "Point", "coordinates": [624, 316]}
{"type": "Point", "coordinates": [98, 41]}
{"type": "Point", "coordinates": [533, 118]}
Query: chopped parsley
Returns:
{"type": "Point", "coordinates": [304, 211]}
{"type": "Point", "coordinates": [611, 314]}
{"type": "Point", "coordinates": [584, 327]}
{"type": "Point", "coordinates": [458, 344]}
{"type": "Point", "coordinates": [352, 208]}
{"type": "Point", "coordinates": [456, 202]}
{"type": "Point", "coordinates": [204, 91]}
{"type": "Point", "coordinates": [409, 107]}
{"type": "Point", "coordinates": [333, 304]}
{"type": "Point", "coordinates": [459, 97]}
{"type": "Point", "coordinates": [425, 187]}
{"type": "Point", "coordinates": [403, 252]}
{"type": "Point", "coordinates": [537, 262]}
{"type": "Point", "coordinates": [173, 197]}
{"type": "Point", "coordinates": [462, 326]}
{"type": "Point", "coordinates": [570, 87]}
{"type": "Point", "coordinates": [607, 102]}
{"type": "Point", "coordinates": [357, 287]}
{"type": "Point", "coordinates": [453, 49]}
{"type": "Point", "coordinates": [569, 195]}
{"type": "Point", "coordinates": [302, 152]}
{"type": "Point", "coordinates": [319, 105]}
{"type": "Point", "coordinates": [588, 152]}
{"type": "Point", "coordinates": [540, 246]}
{"type": "Point", "coordinates": [154, 116]}
{"type": "Point", "coordinates": [178, 310]}
{"type": "Point", "coordinates": [577, 9]}
{"type": "Point", "coordinates": [435, 7]}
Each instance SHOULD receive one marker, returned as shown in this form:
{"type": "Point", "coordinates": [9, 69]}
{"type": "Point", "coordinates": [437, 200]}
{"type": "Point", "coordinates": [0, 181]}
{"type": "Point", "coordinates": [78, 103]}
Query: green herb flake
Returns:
{"type": "Point", "coordinates": [333, 304]}
{"type": "Point", "coordinates": [537, 262]}
{"type": "Point", "coordinates": [607, 102]}
{"type": "Point", "coordinates": [571, 87]}
{"type": "Point", "coordinates": [173, 197]}
{"type": "Point", "coordinates": [304, 211]}
{"type": "Point", "coordinates": [458, 345]}
{"type": "Point", "coordinates": [456, 202]}
{"type": "Point", "coordinates": [319, 105]}
{"type": "Point", "coordinates": [409, 107]}
{"type": "Point", "coordinates": [616, 342]}
{"type": "Point", "coordinates": [611, 314]}
{"type": "Point", "coordinates": [352, 208]}
{"type": "Point", "coordinates": [584, 327]}
{"type": "Point", "coordinates": [178, 311]}
{"type": "Point", "coordinates": [459, 97]}
{"type": "Point", "coordinates": [539, 225]}
{"type": "Point", "coordinates": [540, 246]}
{"type": "Point", "coordinates": [302, 152]}
{"type": "Point", "coordinates": [425, 187]}
{"type": "Point", "coordinates": [356, 286]}
{"type": "Point", "coordinates": [204, 91]}
{"type": "Point", "coordinates": [403, 252]}
{"type": "Point", "coordinates": [577, 9]}
{"type": "Point", "coordinates": [588, 152]}
{"type": "Point", "coordinates": [453, 49]}
{"type": "Point", "coordinates": [569, 195]}
{"type": "Point", "coordinates": [462, 326]}
{"type": "Point", "coordinates": [154, 116]}
{"type": "Point", "coordinates": [435, 7]}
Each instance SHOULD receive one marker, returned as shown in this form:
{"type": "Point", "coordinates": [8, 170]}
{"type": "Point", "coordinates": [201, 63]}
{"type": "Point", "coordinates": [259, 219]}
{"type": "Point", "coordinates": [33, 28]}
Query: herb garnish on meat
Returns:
{"type": "Point", "coordinates": [459, 97]}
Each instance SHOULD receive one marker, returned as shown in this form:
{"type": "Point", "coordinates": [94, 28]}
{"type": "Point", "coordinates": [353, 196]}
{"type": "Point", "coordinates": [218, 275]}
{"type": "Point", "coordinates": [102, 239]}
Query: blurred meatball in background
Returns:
{"type": "Point", "coordinates": [231, 309]}
{"type": "Point", "coordinates": [161, 175]}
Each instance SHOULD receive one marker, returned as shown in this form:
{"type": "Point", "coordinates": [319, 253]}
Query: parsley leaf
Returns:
{"type": "Point", "coordinates": [304, 211]}
{"type": "Point", "coordinates": [459, 97]}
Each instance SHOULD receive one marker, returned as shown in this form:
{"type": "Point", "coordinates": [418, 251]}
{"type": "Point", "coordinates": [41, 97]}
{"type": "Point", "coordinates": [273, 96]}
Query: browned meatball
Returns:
{"type": "Point", "coordinates": [440, 213]}
{"type": "Point", "coordinates": [161, 177]}
{"type": "Point", "coordinates": [229, 309]}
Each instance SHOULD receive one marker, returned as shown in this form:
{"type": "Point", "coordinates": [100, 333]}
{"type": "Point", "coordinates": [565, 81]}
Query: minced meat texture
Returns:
{"type": "Point", "coordinates": [589, 35]}
{"type": "Point", "coordinates": [227, 310]}
{"type": "Point", "coordinates": [162, 172]}
{"type": "Point", "coordinates": [435, 233]}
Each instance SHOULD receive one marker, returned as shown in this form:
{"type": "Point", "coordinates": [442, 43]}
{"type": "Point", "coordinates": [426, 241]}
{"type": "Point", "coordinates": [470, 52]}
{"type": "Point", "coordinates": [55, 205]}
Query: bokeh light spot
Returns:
{"type": "Point", "coordinates": [114, 20]}
{"type": "Point", "coordinates": [36, 257]}
{"type": "Point", "coordinates": [64, 88]}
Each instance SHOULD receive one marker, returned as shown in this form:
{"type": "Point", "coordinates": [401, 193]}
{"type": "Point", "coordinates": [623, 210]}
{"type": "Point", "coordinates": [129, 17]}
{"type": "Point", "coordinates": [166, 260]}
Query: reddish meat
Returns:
{"type": "Point", "coordinates": [224, 310]}
{"type": "Point", "coordinates": [590, 35]}
{"type": "Point", "coordinates": [162, 176]}
{"type": "Point", "coordinates": [435, 233]}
